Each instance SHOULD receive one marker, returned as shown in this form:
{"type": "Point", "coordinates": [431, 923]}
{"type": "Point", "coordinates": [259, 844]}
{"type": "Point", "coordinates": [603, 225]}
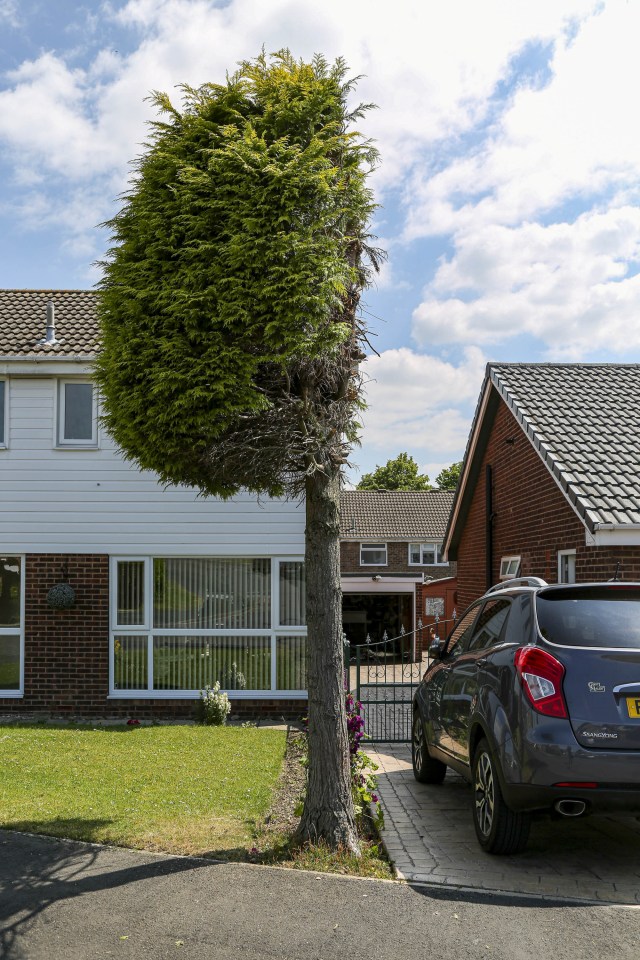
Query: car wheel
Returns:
{"type": "Point", "coordinates": [500, 830]}
{"type": "Point", "coordinates": [425, 768]}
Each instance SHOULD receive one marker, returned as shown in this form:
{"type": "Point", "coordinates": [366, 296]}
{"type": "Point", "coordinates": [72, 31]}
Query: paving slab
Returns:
{"type": "Point", "coordinates": [430, 838]}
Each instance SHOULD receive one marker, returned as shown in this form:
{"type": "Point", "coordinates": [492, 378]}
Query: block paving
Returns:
{"type": "Point", "coordinates": [430, 838]}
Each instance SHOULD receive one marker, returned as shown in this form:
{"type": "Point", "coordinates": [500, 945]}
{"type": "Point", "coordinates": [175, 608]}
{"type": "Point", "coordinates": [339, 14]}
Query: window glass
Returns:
{"type": "Point", "coordinates": [3, 391]}
{"type": "Point", "coordinates": [509, 567]}
{"type": "Point", "coordinates": [460, 638]}
{"type": "Point", "coordinates": [212, 593]}
{"type": "Point", "coordinates": [567, 567]}
{"type": "Point", "coordinates": [194, 662]}
{"type": "Point", "coordinates": [9, 662]}
{"type": "Point", "coordinates": [130, 608]}
{"type": "Point", "coordinates": [592, 617]}
{"type": "Point", "coordinates": [130, 663]}
{"type": "Point", "coordinates": [291, 663]}
{"type": "Point", "coordinates": [9, 591]}
{"type": "Point", "coordinates": [425, 553]}
{"type": "Point", "coordinates": [373, 554]}
{"type": "Point", "coordinates": [78, 418]}
{"type": "Point", "coordinates": [491, 621]}
{"type": "Point", "coordinates": [292, 595]}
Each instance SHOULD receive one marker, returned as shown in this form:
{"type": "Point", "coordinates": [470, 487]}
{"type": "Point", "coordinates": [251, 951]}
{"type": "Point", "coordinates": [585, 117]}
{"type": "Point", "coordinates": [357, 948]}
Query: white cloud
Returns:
{"type": "Point", "coordinates": [567, 284]}
{"type": "Point", "coordinates": [420, 404]}
{"type": "Point", "coordinates": [424, 63]}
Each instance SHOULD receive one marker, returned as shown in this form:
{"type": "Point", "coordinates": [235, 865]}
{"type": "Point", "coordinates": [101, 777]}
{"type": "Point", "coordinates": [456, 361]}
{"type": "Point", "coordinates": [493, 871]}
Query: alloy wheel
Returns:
{"type": "Point", "coordinates": [484, 794]}
{"type": "Point", "coordinates": [418, 745]}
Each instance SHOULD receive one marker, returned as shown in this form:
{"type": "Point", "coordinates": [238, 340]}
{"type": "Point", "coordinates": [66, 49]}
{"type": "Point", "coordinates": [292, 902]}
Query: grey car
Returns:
{"type": "Point", "coordinates": [535, 699]}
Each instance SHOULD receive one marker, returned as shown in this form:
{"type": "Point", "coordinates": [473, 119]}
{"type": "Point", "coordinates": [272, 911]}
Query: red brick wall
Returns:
{"type": "Point", "coordinates": [397, 562]}
{"type": "Point", "coordinates": [532, 519]}
{"type": "Point", "coordinates": [67, 651]}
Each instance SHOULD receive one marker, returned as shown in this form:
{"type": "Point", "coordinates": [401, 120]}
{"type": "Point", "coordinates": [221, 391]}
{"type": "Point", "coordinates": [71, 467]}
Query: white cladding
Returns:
{"type": "Point", "coordinates": [93, 501]}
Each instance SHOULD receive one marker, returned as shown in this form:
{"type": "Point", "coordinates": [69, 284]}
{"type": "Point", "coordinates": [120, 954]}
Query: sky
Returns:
{"type": "Point", "coordinates": [508, 186]}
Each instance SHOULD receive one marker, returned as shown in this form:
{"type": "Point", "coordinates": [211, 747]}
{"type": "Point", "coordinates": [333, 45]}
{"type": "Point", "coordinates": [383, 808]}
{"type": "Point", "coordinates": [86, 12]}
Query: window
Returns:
{"type": "Point", "coordinates": [180, 624]}
{"type": "Point", "coordinates": [11, 626]}
{"type": "Point", "coordinates": [425, 553]}
{"type": "Point", "coordinates": [509, 567]}
{"type": "Point", "coordinates": [566, 566]}
{"type": "Point", "coordinates": [460, 638]}
{"type": "Point", "coordinates": [490, 626]}
{"type": "Point", "coordinates": [3, 413]}
{"type": "Point", "coordinates": [77, 415]}
{"type": "Point", "coordinates": [373, 554]}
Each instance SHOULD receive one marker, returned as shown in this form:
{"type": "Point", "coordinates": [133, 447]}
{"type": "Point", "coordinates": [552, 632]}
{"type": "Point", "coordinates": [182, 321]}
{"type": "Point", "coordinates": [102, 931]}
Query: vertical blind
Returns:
{"type": "Point", "coordinates": [199, 610]}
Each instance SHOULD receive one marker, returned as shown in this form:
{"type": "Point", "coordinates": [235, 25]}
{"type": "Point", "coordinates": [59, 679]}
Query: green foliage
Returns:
{"type": "Point", "coordinates": [449, 477]}
{"type": "Point", "coordinates": [399, 474]}
{"type": "Point", "coordinates": [229, 342]}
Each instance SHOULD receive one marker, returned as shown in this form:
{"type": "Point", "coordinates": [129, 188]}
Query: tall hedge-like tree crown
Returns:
{"type": "Point", "coordinates": [229, 305]}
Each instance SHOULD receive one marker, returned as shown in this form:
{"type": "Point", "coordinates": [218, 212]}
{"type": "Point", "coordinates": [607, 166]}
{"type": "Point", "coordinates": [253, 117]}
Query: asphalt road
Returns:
{"type": "Point", "coordinates": [80, 902]}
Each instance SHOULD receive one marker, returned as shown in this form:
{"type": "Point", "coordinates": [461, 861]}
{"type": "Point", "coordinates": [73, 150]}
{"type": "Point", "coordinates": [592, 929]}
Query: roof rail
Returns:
{"type": "Point", "coordinates": [518, 582]}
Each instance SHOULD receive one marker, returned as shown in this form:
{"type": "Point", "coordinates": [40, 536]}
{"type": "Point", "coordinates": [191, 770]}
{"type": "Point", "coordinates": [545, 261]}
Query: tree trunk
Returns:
{"type": "Point", "coordinates": [328, 809]}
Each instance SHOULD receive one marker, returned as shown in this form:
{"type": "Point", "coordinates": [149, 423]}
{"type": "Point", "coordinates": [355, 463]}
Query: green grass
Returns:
{"type": "Point", "coordinates": [180, 789]}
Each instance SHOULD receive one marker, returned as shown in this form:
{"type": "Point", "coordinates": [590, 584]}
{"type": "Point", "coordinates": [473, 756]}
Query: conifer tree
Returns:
{"type": "Point", "coordinates": [231, 334]}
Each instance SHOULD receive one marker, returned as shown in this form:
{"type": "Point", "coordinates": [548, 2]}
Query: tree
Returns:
{"type": "Point", "coordinates": [448, 477]}
{"type": "Point", "coordinates": [399, 474]}
{"type": "Point", "coordinates": [231, 335]}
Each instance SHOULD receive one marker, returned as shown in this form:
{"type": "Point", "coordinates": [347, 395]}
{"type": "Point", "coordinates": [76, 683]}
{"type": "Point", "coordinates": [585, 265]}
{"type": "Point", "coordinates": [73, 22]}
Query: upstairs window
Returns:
{"type": "Point", "coordinates": [424, 554]}
{"type": "Point", "coordinates": [373, 554]}
{"type": "Point", "coordinates": [77, 416]}
{"type": "Point", "coordinates": [3, 413]}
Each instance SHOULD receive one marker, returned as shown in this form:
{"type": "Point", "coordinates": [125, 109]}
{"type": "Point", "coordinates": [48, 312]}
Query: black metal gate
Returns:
{"type": "Point", "coordinates": [384, 676]}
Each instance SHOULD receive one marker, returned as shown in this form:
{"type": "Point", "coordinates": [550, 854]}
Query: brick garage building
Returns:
{"type": "Point", "coordinates": [390, 549]}
{"type": "Point", "coordinates": [550, 484]}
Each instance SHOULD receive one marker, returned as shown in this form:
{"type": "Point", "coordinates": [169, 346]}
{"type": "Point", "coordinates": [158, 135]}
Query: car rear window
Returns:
{"type": "Point", "coordinates": [592, 617]}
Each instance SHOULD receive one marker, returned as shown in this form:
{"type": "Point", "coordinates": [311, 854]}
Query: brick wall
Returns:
{"type": "Point", "coordinates": [532, 519]}
{"type": "Point", "coordinates": [67, 651]}
{"type": "Point", "coordinates": [397, 562]}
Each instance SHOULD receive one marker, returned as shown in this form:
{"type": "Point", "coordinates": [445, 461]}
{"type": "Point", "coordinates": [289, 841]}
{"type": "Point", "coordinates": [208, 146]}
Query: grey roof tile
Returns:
{"type": "Point", "coordinates": [23, 322]}
{"type": "Point", "coordinates": [584, 420]}
{"type": "Point", "coordinates": [394, 514]}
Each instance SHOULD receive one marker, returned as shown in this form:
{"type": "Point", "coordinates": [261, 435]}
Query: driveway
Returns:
{"type": "Point", "coordinates": [430, 838]}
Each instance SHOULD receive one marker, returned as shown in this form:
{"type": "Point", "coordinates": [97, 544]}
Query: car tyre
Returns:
{"type": "Point", "coordinates": [425, 768]}
{"type": "Point", "coordinates": [500, 830]}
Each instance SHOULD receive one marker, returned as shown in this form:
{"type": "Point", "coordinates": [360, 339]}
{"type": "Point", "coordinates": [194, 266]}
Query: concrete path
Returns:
{"type": "Point", "coordinates": [429, 836]}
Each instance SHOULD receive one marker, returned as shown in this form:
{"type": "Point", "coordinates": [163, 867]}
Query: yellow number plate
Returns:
{"type": "Point", "coordinates": [633, 706]}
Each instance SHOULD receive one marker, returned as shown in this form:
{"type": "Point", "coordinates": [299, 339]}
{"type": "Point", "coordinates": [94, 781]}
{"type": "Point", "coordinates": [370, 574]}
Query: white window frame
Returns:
{"type": "Point", "coordinates": [506, 563]}
{"type": "Point", "coordinates": [4, 415]}
{"type": "Point", "coordinates": [149, 631]}
{"type": "Point", "coordinates": [377, 546]}
{"type": "Point", "coordinates": [561, 555]}
{"type": "Point", "coordinates": [60, 441]}
{"type": "Point", "coordinates": [435, 544]}
{"type": "Point", "coordinates": [11, 632]}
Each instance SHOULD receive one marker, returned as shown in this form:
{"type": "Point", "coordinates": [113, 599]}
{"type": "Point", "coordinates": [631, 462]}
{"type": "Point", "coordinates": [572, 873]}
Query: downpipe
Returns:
{"type": "Point", "coordinates": [570, 808]}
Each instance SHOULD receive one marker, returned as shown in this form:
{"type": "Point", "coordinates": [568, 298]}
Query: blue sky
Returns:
{"type": "Point", "coordinates": [509, 181]}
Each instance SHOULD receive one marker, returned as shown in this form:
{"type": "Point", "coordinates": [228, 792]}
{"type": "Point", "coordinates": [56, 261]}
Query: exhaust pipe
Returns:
{"type": "Point", "coordinates": [570, 808]}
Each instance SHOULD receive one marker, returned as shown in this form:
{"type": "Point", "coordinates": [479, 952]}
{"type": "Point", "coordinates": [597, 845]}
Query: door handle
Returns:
{"type": "Point", "coordinates": [482, 662]}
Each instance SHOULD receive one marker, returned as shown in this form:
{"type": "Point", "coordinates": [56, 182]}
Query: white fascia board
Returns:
{"type": "Point", "coordinates": [366, 584]}
{"type": "Point", "coordinates": [45, 366]}
{"type": "Point", "coordinates": [616, 535]}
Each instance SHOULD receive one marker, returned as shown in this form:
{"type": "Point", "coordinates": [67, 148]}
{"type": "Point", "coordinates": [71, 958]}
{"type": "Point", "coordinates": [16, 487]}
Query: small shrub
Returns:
{"type": "Point", "coordinates": [214, 706]}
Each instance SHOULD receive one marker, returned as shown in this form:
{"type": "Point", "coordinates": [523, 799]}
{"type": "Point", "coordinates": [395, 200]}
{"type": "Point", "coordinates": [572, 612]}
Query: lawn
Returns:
{"type": "Point", "coordinates": [225, 792]}
{"type": "Point", "coordinates": [180, 789]}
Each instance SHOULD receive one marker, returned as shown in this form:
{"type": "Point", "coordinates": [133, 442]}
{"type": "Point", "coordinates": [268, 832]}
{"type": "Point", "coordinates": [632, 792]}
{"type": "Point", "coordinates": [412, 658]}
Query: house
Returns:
{"type": "Point", "coordinates": [119, 597]}
{"type": "Point", "coordinates": [390, 550]}
{"type": "Point", "coordinates": [550, 484]}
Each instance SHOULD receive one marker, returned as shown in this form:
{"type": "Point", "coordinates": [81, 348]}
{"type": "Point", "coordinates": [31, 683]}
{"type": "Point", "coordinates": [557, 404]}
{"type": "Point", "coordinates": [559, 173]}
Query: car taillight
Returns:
{"type": "Point", "coordinates": [541, 677]}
